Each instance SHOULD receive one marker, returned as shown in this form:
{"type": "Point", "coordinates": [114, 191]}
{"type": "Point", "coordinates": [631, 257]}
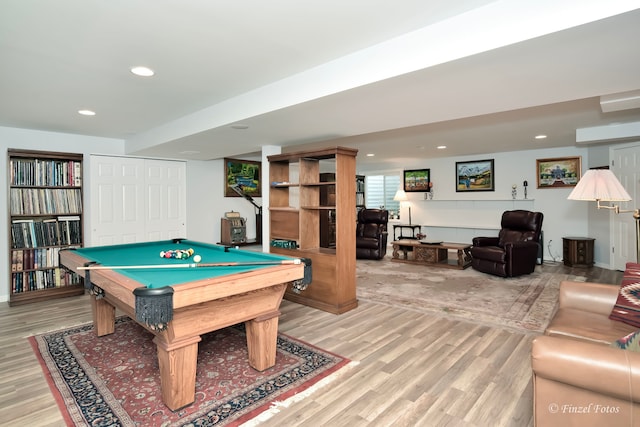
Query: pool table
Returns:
{"type": "Point", "coordinates": [196, 299]}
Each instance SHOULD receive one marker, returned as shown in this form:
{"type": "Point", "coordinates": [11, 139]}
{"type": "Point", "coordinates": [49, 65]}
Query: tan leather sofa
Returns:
{"type": "Point", "coordinates": [578, 378]}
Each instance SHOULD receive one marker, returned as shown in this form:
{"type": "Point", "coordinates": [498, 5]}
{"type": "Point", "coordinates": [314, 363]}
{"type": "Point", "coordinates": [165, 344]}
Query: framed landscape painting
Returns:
{"type": "Point", "coordinates": [477, 175]}
{"type": "Point", "coordinates": [558, 172]}
{"type": "Point", "coordinates": [243, 173]}
{"type": "Point", "coordinates": [417, 180]}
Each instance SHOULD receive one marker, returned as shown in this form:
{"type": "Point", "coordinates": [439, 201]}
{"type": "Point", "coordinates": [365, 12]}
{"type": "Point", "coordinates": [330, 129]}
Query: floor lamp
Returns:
{"type": "Point", "coordinates": [601, 185]}
{"type": "Point", "coordinates": [401, 196]}
{"type": "Point", "coordinates": [238, 189]}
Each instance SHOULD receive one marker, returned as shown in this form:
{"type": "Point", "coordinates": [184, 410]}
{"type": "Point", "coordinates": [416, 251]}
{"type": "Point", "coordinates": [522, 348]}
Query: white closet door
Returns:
{"type": "Point", "coordinates": [136, 200]}
{"type": "Point", "coordinates": [116, 200]}
{"type": "Point", "coordinates": [165, 188]}
{"type": "Point", "coordinates": [626, 166]}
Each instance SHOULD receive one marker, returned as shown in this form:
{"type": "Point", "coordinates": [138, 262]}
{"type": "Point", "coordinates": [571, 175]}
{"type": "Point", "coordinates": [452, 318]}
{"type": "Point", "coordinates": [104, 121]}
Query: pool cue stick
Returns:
{"type": "Point", "coordinates": [189, 265]}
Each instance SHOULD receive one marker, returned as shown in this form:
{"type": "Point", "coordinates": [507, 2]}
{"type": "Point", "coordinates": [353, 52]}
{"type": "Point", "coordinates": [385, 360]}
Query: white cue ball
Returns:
{"type": "Point", "coordinates": [197, 258]}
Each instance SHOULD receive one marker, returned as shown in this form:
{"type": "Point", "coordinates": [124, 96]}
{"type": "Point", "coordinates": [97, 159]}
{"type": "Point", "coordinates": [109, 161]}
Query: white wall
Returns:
{"type": "Point", "coordinates": [562, 217]}
{"type": "Point", "coordinates": [206, 203]}
{"type": "Point", "coordinates": [45, 141]}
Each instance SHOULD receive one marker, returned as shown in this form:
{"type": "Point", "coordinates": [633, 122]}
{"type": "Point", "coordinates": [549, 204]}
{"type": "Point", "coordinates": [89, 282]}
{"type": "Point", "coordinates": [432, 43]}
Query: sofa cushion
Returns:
{"type": "Point", "coordinates": [512, 236]}
{"type": "Point", "coordinates": [371, 230]}
{"type": "Point", "coordinates": [630, 342]}
{"type": "Point", "coordinates": [627, 306]}
{"type": "Point", "coordinates": [586, 326]}
{"type": "Point", "coordinates": [368, 243]}
{"type": "Point", "coordinates": [489, 253]}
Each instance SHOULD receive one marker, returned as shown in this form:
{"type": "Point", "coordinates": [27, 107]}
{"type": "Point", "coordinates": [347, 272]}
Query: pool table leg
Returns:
{"type": "Point", "coordinates": [262, 340]}
{"type": "Point", "coordinates": [178, 361]}
{"type": "Point", "coordinates": [104, 316]}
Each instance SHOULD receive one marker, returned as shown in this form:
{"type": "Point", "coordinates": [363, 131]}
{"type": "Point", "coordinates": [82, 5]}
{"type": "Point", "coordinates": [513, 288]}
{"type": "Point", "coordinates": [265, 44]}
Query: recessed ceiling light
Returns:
{"type": "Point", "coordinates": [541, 136]}
{"type": "Point", "coordinates": [87, 112]}
{"type": "Point", "coordinates": [189, 152]}
{"type": "Point", "coordinates": [370, 154]}
{"type": "Point", "coordinates": [142, 71]}
{"type": "Point", "coordinates": [441, 147]}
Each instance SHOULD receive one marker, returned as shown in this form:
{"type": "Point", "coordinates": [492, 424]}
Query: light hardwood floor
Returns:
{"type": "Point", "coordinates": [414, 369]}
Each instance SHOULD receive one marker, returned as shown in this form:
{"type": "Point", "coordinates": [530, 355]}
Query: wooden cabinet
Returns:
{"type": "Point", "coordinates": [299, 198]}
{"type": "Point", "coordinates": [577, 251]}
{"type": "Point", "coordinates": [45, 216]}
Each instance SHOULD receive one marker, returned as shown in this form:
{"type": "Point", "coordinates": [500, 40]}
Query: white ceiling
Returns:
{"type": "Point", "coordinates": [391, 78]}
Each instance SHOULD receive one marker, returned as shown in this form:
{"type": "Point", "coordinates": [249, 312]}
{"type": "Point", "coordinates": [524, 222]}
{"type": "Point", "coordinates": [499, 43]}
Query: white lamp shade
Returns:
{"type": "Point", "coordinates": [599, 184]}
{"type": "Point", "coordinates": [400, 196]}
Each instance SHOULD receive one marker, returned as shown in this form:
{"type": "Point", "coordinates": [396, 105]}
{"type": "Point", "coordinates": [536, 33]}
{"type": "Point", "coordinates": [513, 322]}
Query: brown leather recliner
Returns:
{"type": "Point", "coordinates": [515, 251]}
{"type": "Point", "coordinates": [371, 233]}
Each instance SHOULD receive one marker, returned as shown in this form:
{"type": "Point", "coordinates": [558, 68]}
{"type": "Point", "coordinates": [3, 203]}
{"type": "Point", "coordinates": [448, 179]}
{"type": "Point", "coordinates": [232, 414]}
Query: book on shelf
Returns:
{"type": "Point", "coordinates": [45, 201]}
{"type": "Point", "coordinates": [30, 233]}
{"type": "Point", "coordinates": [39, 172]}
{"type": "Point", "coordinates": [21, 233]}
{"type": "Point", "coordinates": [42, 279]}
{"type": "Point", "coordinates": [70, 230]}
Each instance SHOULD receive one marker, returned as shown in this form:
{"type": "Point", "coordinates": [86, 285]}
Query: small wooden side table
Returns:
{"type": "Point", "coordinates": [412, 227]}
{"type": "Point", "coordinates": [578, 251]}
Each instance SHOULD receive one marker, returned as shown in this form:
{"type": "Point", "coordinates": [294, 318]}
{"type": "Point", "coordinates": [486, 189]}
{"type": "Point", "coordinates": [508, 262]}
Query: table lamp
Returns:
{"type": "Point", "coordinates": [401, 196]}
{"type": "Point", "coordinates": [601, 185]}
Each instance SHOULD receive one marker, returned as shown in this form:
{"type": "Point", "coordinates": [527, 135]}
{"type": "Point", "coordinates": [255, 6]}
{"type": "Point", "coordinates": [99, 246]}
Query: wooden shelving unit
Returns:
{"type": "Point", "coordinates": [45, 216]}
{"type": "Point", "coordinates": [328, 216]}
{"type": "Point", "coordinates": [298, 227]}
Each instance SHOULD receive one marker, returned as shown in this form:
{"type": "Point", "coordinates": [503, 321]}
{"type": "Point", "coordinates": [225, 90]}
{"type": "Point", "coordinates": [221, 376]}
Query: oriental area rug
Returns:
{"type": "Point", "coordinates": [114, 380]}
{"type": "Point", "coordinates": [525, 303]}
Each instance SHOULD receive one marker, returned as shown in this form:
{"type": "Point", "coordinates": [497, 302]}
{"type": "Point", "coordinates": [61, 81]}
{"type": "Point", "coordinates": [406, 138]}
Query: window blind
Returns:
{"type": "Point", "coordinates": [380, 190]}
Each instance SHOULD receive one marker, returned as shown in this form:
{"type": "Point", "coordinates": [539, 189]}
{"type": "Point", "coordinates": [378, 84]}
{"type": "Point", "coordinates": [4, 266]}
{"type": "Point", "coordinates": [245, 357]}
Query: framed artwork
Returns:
{"type": "Point", "coordinates": [243, 173]}
{"type": "Point", "coordinates": [417, 180]}
{"type": "Point", "coordinates": [558, 172]}
{"type": "Point", "coordinates": [477, 175]}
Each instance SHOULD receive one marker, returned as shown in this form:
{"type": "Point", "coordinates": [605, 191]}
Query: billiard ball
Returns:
{"type": "Point", "coordinates": [197, 258]}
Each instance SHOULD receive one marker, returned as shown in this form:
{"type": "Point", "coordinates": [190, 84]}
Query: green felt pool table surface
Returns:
{"type": "Point", "coordinates": [148, 253]}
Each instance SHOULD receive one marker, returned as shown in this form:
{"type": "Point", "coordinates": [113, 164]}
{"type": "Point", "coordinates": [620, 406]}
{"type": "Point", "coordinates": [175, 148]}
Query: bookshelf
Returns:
{"type": "Point", "coordinates": [297, 204]}
{"type": "Point", "coordinates": [328, 217]}
{"type": "Point", "coordinates": [45, 216]}
{"type": "Point", "coordinates": [360, 192]}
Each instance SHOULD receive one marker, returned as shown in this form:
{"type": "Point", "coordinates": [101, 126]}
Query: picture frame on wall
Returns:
{"type": "Point", "coordinates": [476, 175]}
{"type": "Point", "coordinates": [558, 172]}
{"type": "Point", "coordinates": [246, 174]}
{"type": "Point", "coordinates": [416, 180]}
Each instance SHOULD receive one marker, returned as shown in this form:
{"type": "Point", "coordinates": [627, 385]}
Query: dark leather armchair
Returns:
{"type": "Point", "coordinates": [515, 251]}
{"type": "Point", "coordinates": [371, 233]}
